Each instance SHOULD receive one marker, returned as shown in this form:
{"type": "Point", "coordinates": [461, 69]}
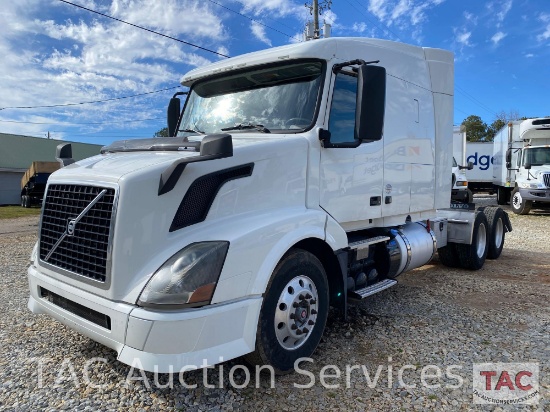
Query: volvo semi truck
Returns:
{"type": "Point", "coordinates": [295, 178]}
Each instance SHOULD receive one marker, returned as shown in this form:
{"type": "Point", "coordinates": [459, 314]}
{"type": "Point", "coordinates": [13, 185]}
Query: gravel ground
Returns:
{"type": "Point", "coordinates": [434, 316]}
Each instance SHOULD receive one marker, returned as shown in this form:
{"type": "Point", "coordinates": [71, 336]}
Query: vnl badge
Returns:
{"type": "Point", "coordinates": [506, 383]}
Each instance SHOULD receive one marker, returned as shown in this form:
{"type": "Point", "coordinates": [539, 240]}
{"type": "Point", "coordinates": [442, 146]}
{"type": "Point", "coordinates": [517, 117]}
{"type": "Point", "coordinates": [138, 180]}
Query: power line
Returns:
{"type": "Point", "coordinates": [90, 102]}
{"type": "Point", "coordinates": [282, 24]}
{"type": "Point", "coordinates": [143, 28]}
{"type": "Point", "coordinates": [472, 98]}
{"type": "Point", "coordinates": [84, 124]}
{"type": "Point", "coordinates": [254, 20]}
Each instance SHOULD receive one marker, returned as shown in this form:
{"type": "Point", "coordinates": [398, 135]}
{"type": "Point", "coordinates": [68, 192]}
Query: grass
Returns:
{"type": "Point", "coordinates": [12, 212]}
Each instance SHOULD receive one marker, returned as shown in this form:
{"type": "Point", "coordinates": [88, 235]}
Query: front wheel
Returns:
{"type": "Point", "coordinates": [520, 206]}
{"type": "Point", "coordinates": [294, 312]}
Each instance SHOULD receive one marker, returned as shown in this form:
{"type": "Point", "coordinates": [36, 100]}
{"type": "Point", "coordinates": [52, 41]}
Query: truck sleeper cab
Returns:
{"type": "Point", "coordinates": [296, 178]}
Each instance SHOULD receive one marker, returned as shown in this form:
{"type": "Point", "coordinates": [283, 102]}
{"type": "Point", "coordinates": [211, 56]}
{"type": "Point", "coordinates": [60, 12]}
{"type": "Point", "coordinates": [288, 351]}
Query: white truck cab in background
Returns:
{"type": "Point", "coordinates": [296, 178]}
{"type": "Point", "coordinates": [521, 163]}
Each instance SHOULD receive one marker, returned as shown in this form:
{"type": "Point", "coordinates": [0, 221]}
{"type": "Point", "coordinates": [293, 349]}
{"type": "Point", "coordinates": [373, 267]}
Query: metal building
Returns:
{"type": "Point", "coordinates": [18, 152]}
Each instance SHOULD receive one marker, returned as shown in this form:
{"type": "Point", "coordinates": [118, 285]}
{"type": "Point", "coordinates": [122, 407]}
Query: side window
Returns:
{"type": "Point", "coordinates": [342, 112]}
{"type": "Point", "coordinates": [518, 163]}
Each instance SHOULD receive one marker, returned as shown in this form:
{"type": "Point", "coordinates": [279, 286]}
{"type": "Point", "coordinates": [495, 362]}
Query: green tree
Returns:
{"type": "Point", "coordinates": [493, 129]}
{"type": "Point", "coordinates": [162, 132]}
{"type": "Point", "coordinates": [476, 129]}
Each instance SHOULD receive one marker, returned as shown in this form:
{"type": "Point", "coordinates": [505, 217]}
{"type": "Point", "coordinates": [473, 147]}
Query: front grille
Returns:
{"type": "Point", "coordinates": [77, 309]}
{"type": "Point", "coordinates": [546, 178]}
{"type": "Point", "coordinates": [85, 251]}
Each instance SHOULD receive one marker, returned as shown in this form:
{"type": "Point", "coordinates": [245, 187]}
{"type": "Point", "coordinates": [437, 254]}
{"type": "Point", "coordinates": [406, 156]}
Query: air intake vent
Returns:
{"type": "Point", "coordinates": [197, 201]}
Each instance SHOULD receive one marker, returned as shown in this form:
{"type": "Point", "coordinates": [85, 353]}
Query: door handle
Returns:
{"type": "Point", "coordinates": [376, 200]}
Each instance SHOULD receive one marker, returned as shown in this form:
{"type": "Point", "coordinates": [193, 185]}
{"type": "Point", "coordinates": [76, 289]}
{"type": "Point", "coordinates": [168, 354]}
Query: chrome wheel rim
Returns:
{"type": "Point", "coordinates": [499, 233]}
{"type": "Point", "coordinates": [481, 240]}
{"type": "Point", "coordinates": [296, 312]}
{"type": "Point", "coordinates": [516, 201]}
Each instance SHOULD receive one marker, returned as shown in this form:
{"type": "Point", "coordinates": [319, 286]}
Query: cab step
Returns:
{"type": "Point", "coordinates": [372, 289]}
{"type": "Point", "coordinates": [362, 246]}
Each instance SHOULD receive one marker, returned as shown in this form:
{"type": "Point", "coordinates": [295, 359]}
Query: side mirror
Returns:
{"type": "Point", "coordinates": [527, 165]}
{"type": "Point", "coordinates": [173, 115]}
{"type": "Point", "coordinates": [64, 154]}
{"type": "Point", "coordinates": [470, 165]}
{"type": "Point", "coordinates": [371, 103]}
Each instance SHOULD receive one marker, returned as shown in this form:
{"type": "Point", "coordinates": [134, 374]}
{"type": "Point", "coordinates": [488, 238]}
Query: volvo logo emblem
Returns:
{"type": "Point", "coordinates": [70, 227]}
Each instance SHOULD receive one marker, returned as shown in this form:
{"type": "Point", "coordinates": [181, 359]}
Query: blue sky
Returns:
{"type": "Point", "coordinates": [55, 53]}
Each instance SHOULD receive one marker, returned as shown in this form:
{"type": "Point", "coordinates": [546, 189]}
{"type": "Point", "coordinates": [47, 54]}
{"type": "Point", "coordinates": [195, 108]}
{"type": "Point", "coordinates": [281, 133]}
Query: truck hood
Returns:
{"type": "Point", "coordinates": [143, 238]}
{"type": "Point", "coordinates": [111, 167]}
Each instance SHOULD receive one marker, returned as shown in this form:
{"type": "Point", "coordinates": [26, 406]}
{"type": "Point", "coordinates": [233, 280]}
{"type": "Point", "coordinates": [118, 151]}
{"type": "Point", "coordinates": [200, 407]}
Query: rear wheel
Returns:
{"type": "Point", "coordinates": [473, 256]}
{"type": "Point", "coordinates": [294, 312]}
{"type": "Point", "coordinates": [495, 238]}
{"type": "Point", "coordinates": [519, 205]}
{"type": "Point", "coordinates": [502, 196]}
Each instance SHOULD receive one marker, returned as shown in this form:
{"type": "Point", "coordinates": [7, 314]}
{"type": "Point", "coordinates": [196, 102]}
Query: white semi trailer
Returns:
{"type": "Point", "coordinates": [521, 163]}
{"type": "Point", "coordinates": [297, 177]}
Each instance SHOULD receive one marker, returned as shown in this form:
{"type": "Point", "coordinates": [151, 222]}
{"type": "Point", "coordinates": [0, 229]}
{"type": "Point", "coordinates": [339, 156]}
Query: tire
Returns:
{"type": "Point", "coordinates": [448, 255]}
{"type": "Point", "coordinates": [519, 205]}
{"type": "Point", "coordinates": [496, 232]}
{"type": "Point", "coordinates": [502, 196]}
{"type": "Point", "coordinates": [287, 311]}
{"type": "Point", "coordinates": [473, 256]}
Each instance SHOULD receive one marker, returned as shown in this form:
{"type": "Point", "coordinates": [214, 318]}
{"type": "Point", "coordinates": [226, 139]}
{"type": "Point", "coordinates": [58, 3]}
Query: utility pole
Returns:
{"type": "Point", "coordinates": [312, 31]}
{"type": "Point", "coordinates": [48, 135]}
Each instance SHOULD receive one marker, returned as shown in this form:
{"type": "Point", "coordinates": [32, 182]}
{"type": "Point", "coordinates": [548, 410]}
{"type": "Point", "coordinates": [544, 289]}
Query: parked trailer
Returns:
{"type": "Point", "coordinates": [521, 164]}
{"type": "Point", "coordinates": [480, 177]}
{"type": "Point", "coordinates": [33, 182]}
{"type": "Point", "coordinates": [460, 192]}
{"type": "Point", "coordinates": [297, 178]}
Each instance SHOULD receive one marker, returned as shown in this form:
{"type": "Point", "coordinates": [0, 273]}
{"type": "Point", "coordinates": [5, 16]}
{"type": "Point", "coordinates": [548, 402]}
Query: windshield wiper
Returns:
{"type": "Point", "coordinates": [244, 126]}
{"type": "Point", "coordinates": [190, 131]}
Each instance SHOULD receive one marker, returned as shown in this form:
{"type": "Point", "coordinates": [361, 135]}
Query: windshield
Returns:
{"type": "Point", "coordinates": [280, 98]}
{"type": "Point", "coordinates": [537, 156]}
{"type": "Point", "coordinates": [454, 163]}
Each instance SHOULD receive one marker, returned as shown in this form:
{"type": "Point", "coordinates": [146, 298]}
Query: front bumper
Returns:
{"type": "Point", "coordinates": [156, 341]}
{"type": "Point", "coordinates": [537, 195]}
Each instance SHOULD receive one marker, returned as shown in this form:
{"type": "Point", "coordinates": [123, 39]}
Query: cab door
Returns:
{"type": "Point", "coordinates": [350, 178]}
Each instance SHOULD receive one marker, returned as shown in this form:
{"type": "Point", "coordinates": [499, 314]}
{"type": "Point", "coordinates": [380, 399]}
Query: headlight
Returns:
{"type": "Point", "coordinates": [34, 253]}
{"type": "Point", "coordinates": [188, 278]}
{"type": "Point", "coordinates": [462, 183]}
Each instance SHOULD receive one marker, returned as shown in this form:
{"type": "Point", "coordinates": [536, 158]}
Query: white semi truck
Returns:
{"type": "Point", "coordinates": [296, 178]}
{"type": "Point", "coordinates": [521, 163]}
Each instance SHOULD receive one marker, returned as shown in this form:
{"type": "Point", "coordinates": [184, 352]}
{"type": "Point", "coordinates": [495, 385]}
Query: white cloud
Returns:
{"type": "Point", "coordinates": [259, 32]}
{"type": "Point", "coordinates": [471, 17]}
{"type": "Point", "coordinates": [505, 8]}
{"type": "Point", "coordinates": [463, 38]}
{"type": "Point", "coordinates": [359, 27]}
{"type": "Point", "coordinates": [497, 37]}
{"type": "Point", "coordinates": [529, 55]}
{"type": "Point", "coordinates": [545, 35]}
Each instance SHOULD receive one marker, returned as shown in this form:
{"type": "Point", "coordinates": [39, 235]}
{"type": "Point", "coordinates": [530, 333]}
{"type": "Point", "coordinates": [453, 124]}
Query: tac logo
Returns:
{"type": "Point", "coordinates": [506, 383]}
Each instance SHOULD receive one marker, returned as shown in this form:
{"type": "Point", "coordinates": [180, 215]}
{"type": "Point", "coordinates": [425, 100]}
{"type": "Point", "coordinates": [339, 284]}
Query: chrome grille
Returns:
{"type": "Point", "coordinates": [546, 178]}
{"type": "Point", "coordinates": [84, 247]}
